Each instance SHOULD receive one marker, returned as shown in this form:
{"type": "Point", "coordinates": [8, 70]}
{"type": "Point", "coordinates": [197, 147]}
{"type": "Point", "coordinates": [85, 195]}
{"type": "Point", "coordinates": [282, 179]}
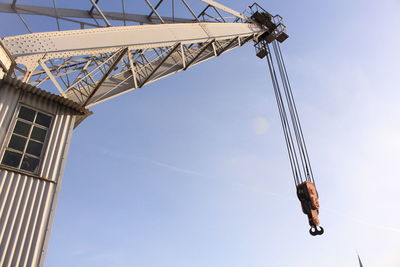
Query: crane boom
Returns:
{"type": "Point", "coordinates": [89, 66]}
{"type": "Point", "coordinates": [177, 46]}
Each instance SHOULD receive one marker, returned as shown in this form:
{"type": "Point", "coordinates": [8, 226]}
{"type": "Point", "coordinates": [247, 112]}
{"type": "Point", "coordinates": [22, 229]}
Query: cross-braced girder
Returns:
{"type": "Point", "coordinates": [150, 65]}
{"type": "Point", "coordinates": [103, 60]}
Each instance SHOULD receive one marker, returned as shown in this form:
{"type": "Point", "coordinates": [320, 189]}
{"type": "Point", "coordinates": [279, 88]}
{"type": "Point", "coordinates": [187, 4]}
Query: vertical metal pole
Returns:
{"type": "Point", "coordinates": [183, 56]}
{"type": "Point", "coordinates": [55, 9]}
{"type": "Point", "coordinates": [133, 68]}
{"type": "Point", "coordinates": [123, 11]}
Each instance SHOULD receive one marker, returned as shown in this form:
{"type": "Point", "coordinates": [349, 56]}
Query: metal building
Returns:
{"type": "Point", "coordinates": [35, 131]}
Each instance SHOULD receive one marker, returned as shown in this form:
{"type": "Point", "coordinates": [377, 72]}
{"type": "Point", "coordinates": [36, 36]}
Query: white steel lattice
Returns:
{"type": "Point", "coordinates": [111, 53]}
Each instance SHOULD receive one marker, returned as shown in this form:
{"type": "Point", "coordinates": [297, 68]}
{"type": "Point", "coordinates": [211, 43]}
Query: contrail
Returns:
{"type": "Point", "coordinates": [174, 168]}
{"type": "Point", "coordinates": [135, 158]}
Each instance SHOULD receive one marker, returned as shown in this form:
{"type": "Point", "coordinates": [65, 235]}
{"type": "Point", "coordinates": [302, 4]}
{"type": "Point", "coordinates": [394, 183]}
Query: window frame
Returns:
{"type": "Point", "coordinates": [24, 153]}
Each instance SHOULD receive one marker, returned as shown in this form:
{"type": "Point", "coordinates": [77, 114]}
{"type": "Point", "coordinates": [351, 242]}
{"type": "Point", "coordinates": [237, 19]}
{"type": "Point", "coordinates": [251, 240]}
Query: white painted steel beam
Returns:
{"type": "Point", "coordinates": [6, 61]}
{"type": "Point", "coordinates": [29, 48]}
{"type": "Point", "coordinates": [193, 40]}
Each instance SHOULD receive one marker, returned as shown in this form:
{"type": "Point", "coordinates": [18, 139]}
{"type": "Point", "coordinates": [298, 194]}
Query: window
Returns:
{"type": "Point", "coordinates": [26, 143]}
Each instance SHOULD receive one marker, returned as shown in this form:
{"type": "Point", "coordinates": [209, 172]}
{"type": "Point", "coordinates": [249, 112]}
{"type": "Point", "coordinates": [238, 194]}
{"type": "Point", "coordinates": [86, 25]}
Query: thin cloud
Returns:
{"type": "Point", "coordinates": [173, 168]}
{"type": "Point", "coordinates": [135, 159]}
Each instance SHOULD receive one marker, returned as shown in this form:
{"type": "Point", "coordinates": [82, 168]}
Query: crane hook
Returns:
{"type": "Point", "coordinates": [316, 230]}
{"type": "Point", "coordinates": [308, 196]}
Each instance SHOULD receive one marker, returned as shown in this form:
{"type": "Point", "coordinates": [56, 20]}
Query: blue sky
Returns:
{"type": "Point", "coordinates": [192, 170]}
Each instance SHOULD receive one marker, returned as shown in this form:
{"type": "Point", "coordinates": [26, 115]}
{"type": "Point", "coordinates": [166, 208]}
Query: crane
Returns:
{"type": "Point", "coordinates": [93, 55]}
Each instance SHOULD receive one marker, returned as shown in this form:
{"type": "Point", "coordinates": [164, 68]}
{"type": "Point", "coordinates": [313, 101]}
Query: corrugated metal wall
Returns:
{"type": "Point", "coordinates": [27, 203]}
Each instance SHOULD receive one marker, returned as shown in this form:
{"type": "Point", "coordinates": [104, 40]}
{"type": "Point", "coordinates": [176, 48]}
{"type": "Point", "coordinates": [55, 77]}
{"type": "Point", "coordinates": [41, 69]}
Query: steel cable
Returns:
{"type": "Point", "coordinates": [289, 102]}
{"type": "Point", "coordinates": [296, 114]}
{"type": "Point", "coordinates": [293, 133]}
{"type": "Point", "coordinates": [285, 124]}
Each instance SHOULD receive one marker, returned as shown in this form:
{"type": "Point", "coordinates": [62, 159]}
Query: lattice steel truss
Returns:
{"type": "Point", "coordinates": [111, 53]}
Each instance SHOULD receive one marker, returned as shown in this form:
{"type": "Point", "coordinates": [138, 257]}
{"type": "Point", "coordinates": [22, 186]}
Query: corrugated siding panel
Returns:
{"type": "Point", "coordinates": [27, 203]}
{"type": "Point", "coordinates": [15, 83]}
{"type": "Point", "coordinates": [21, 217]}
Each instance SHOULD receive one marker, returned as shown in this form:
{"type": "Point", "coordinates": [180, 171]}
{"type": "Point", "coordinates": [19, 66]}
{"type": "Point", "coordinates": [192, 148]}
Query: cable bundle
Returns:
{"type": "Point", "coordinates": [294, 138]}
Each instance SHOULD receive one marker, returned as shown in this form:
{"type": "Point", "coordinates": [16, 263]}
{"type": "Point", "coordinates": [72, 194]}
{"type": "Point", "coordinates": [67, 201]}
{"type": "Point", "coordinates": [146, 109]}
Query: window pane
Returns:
{"type": "Point", "coordinates": [30, 164]}
{"type": "Point", "coordinates": [34, 148]}
{"type": "Point", "coordinates": [43, 119]}
{"type": "Point", "coordinates": [17, 143]}
{"type": "Point", "coordinates": [38, 134]}
{"type": "Point", "coordinates": [11, 159]}
{"type": "Point", "coordinates": [26, 113]}
{"type": "Point", "coordinates": [22, 128]}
